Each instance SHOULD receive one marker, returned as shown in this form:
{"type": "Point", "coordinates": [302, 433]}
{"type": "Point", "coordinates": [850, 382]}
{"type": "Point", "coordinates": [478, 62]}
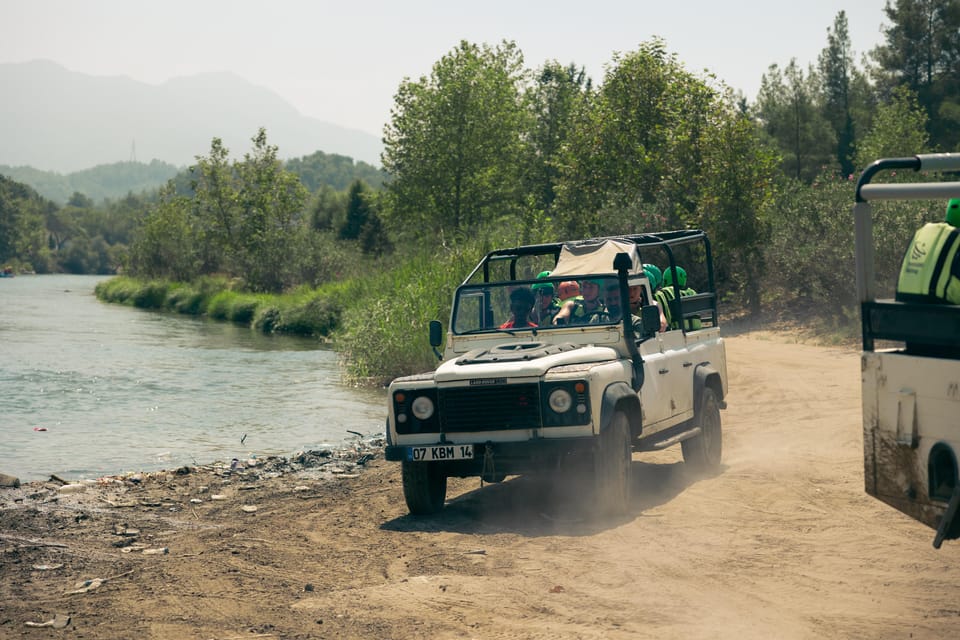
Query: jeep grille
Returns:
{"type": "Point", "coordinates": [512, 406]}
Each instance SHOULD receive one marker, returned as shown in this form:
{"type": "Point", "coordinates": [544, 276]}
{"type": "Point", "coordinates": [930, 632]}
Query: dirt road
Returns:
{"type": "Point", "coordinates": [783, 543]}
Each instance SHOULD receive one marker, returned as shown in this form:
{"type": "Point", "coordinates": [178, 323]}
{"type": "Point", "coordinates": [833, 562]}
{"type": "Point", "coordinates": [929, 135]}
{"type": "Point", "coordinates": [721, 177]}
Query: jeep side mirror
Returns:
{"type": "Point", "coordinates": [436, 337]}
{"type": "Point", "coordinates": [650, 319]}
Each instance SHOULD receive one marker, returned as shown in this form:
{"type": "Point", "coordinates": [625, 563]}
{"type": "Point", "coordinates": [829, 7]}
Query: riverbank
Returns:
{"type": "Point", "coordinates": [783, 543]}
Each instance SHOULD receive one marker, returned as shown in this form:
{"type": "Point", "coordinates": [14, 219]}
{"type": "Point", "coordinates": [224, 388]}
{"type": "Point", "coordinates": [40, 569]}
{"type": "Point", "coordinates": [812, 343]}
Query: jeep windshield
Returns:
{"type": "Point", "coordinates": [536, 305]}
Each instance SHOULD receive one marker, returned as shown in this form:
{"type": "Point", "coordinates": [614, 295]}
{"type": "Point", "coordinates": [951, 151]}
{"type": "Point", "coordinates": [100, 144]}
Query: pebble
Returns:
{"type": "Point", "coordinates": [248, 508]}
{"type": "Point", "coordinates": [72, 488]}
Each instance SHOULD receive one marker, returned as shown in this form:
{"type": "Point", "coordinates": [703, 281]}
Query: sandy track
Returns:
{"type": "Point", "coordinates": [783, 543]}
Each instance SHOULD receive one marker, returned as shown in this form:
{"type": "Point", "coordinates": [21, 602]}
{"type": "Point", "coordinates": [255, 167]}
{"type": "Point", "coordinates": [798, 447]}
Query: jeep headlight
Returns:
{"type": "Point", "coordinates": [560, 400]}
{"type": "Point", "coordinates": [422, 407]}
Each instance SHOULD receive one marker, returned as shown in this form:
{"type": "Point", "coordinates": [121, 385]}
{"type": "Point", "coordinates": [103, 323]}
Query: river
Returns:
{"type": "Point", "coordinates": [92, 389]}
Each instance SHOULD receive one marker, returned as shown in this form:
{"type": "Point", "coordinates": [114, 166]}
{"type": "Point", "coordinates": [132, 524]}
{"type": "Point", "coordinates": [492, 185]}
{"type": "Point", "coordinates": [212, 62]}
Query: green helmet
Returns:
{"type": "Point", "coordinates": [654, 275]}
{"type": "Point", "coordinates": [681, 277]}
{"type": "Point", "coordinates": [543, 288]}
{"type": "Point", "coordinates": [953, 212]}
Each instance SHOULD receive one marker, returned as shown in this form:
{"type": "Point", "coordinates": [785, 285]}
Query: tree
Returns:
{"type": "Point", "coordinates": [270, 204]}
{"type": "Point", "coordinates": [787, 105]}
{"type": "Point", "coordinates": [23, 236]}
{"type": "Point", "coordinates": [738, 185]}
{"type": "Point", "coordinates": [243, 219]}
{"type": "Point", "coordinates": [358, 211]}
{"type": "Point", "coordinates": [167, 244]}
{"type": "Point", "coordinates": [922, 53]}
{"type": "Point", "coordinates": [637, 144]}
{"type": "Point", "coordinates": [899, 129]}
{"type": "Point", "coordinates": [454, 143]}
{"type": "Point", "coordinates": [556, 98]}
{"type": "Point", "coordinates": [844, 93]}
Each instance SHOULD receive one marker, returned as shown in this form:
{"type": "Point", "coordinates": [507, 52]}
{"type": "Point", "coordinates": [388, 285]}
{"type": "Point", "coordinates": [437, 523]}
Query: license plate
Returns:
{"type": "Point", "coordinates": [440, 452]}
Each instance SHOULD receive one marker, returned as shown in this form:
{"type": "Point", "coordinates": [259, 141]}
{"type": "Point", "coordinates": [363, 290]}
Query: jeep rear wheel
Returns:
{"type": "Point", "coordinates": [612, 468]}
{"type": "Point", "coordinates": [424, 487]}
{"type": "Point", "coordinates": [702, 452]}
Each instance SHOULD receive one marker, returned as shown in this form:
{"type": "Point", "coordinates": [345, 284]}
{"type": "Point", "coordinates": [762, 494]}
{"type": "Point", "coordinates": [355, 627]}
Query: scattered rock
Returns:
{"type": "Point", "coordinates": [59, 621]}
{"type": "Point", "coordinates": [9, 481]}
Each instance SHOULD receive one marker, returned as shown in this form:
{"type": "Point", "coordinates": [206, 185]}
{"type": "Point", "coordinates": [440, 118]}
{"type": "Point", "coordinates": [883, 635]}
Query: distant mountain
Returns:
{"type": "Point", "coordinates": [60, 120]}
{"type": "Point", "coordinates": [112, 181]}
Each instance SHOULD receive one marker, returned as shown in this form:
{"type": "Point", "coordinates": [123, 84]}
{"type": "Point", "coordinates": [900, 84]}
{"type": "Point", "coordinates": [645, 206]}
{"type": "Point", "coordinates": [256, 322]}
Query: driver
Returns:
{"type": "Point", "coordinates": [521, 304]}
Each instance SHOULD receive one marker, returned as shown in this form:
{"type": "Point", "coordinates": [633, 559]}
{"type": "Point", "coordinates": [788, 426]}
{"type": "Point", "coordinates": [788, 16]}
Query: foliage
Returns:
{"type": "Point", "coordinates": [922, 53]}
{"type": "Point", "coordinates": [386, 335]}
{"type": "Point", "coordinates": [625, 151]}
{"type": "Point", "coordinates": [846, 97]}
{"type": "Point", "coordinates": [22, 226]}
{"type": "Point", "coordinates": [899, 129]}
{"type": "Point", "coordinates": [558, 96]}
{"type": "Point", "coordinates": [738, 191]}
{"type": "Point", "coordinates": [334, 171]}
{"type": "Point", "coordinates": [242, 219]}
{"type": "Point", "coordinates": [305, 312]}
{"type": "Point", "coordinates": [789, 107]}
{"type": "Point", "coordinates": [454, 144]}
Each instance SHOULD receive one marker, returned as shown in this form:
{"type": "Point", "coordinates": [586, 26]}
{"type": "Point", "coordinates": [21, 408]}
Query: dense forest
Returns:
{"type": "Point", "coordinates": [486, 151]}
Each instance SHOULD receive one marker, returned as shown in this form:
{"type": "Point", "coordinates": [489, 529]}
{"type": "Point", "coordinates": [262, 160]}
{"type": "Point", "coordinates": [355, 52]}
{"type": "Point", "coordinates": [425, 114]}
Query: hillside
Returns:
{"type": "Point", "coordinates": [58, 120]}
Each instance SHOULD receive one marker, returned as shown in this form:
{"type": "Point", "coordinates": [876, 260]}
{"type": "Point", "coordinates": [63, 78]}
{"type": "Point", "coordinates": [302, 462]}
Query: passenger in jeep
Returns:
{"type": "Point", "coordinates": [930, 271]}
{"type": "Point", "coordinates": [582, 309]}
{"type": "Point", "coordinates": [547, 305]}
{"type": "Point", "coordinates": [638, 299]}
{"type": "Point", "coordinates": [521, 304]}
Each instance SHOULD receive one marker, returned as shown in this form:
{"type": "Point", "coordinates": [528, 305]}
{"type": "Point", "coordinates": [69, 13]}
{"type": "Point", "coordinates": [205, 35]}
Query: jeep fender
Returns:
{"type": "Point", "coordinates": [620, 396]}
{"type": "Point", "coordinates": [706, 375]}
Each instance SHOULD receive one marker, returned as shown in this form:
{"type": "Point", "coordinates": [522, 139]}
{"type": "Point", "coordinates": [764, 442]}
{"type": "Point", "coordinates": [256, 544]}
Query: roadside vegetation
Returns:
{"type": "Point", "coordinates": [486, 152]}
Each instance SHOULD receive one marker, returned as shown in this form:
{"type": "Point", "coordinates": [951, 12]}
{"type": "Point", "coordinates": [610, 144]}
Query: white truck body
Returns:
{"type": "Point", "coordinates": [910, 371]}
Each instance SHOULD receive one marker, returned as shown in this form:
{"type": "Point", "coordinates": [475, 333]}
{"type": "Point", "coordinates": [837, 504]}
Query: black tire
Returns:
{"type": "Point", "coordinates": [424, 487]}
{"type": "Point", "coordinates": [612, 470]}
{"type": "Point", "coordinates": [703, 452]}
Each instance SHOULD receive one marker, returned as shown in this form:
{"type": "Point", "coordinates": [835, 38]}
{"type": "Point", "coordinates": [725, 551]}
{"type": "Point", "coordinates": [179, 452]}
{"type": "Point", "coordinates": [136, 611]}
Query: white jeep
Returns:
{"type": "Point", "coordinates": [517, 393]}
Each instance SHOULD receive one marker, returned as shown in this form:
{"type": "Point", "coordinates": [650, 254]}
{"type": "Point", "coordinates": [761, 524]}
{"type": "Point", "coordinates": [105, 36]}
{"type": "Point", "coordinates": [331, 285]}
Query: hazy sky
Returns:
{"type": "Point", "coordinates": [342, 61]}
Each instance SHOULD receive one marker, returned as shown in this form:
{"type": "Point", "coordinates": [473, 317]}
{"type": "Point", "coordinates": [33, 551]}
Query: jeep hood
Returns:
{"type": "Point", "coordinates": [519, 360]}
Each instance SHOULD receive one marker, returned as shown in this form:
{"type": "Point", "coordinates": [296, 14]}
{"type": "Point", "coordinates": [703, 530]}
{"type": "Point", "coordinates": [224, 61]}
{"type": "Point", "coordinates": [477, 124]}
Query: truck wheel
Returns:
{"type": "Point", "coordinates": [612, 468]}
{"type": "Point", "coordinates": [424, 487]}
{"type": "Point", "coordinates": [702, 453]}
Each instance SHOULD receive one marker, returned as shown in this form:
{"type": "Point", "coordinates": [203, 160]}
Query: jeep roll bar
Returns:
{"type": "Point", "coordinates": [866, 192]}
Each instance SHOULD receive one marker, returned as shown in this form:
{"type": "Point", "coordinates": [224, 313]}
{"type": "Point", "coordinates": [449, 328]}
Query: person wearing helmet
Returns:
{"type": "Point", "coordinates": [654, 275]}
{"type": "Point", "coordinates": [638, 296]}
{"type": "Point", "coordinates": [930, 271]}
{"type": "Point", "coordinates": [583, 308]}
{"type": "Point", "coordinates": [663, 295]}
{"type": "Point", "coordinates": [693, 323]}
{"type": "Point", "coordinates": [547, 305]}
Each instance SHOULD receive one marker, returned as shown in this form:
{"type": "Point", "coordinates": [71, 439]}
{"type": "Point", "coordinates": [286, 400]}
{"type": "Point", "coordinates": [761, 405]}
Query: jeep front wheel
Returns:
{"type": "Point", "coordinates": [424, 487]}
{"type": "Point", "coordinates": [702, 452]}
{"type": "Point", "coordinates": [612, 467]}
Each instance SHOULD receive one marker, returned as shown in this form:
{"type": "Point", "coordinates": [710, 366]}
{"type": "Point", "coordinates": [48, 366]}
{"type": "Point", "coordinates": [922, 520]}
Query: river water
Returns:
{"type": "Point", "coordinates": [92, 389]}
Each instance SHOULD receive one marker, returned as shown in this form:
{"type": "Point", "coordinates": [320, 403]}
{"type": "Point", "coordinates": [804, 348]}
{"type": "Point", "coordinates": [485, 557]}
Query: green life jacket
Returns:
{"type": "Point", "coordinates": [664, 296]}
{"type": "Point", "coordinates": [930, 271]}
{"type": "Point", "coordinates": [581, 315]}
{"type": "Point", "coordinates": [546, 315]}
{"type": "Point", "coordinates": [694, 322]}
